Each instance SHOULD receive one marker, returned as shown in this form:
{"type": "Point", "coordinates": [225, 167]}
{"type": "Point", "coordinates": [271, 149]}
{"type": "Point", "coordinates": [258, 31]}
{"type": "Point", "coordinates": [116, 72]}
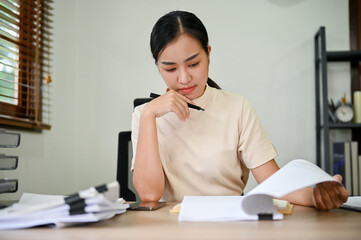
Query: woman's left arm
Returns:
{"type": "Point", "coordinates": [324, 196]}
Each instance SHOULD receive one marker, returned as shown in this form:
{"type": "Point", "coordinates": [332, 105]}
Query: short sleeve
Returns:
{"type": "Point", "coordinates": [254, 143]}
{"type": "Point", "coordinates": [135, 131]}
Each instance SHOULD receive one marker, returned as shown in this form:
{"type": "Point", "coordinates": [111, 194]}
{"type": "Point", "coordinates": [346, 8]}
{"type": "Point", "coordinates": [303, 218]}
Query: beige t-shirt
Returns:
{"type": "Point", "coordinates": [212, 151]}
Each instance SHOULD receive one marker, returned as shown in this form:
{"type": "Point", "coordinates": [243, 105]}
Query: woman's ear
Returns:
{"type": "Point", "coordinates": [209, 52]}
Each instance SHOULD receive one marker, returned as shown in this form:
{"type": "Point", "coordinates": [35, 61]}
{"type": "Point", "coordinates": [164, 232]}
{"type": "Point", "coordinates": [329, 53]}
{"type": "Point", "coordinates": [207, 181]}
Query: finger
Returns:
{"type": "Point", "coordinates": [184, 107]}
{"type": "Point", "coordinates": [318, 199]}
{"type": "Point", "coordinates": [336, 194]}
{"type": "Point", "coordinates": [325, 192]}
{"type": "Point", "coordinates": [342, 192]}
{"type": "Point", "coordinates": [333, 193]}
{"type": "Point", "coordinates": [338, 177]}
{"type": "Point", "coordinates": [181, 100]}
{"type": "Point", "coordinates": [181, 96]}
{"type": "Point", "coordinates": [180, 108]}
{"type": "Point", "coordinates": [170, 102]}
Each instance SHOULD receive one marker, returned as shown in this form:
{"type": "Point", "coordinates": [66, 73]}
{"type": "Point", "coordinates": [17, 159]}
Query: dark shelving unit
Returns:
{"type": "Point", "coordinates": [344, 125]}
{"type": "Point", "coordinates": [342, 56]}
{"type": "Point", "coordinates": [323, 124]}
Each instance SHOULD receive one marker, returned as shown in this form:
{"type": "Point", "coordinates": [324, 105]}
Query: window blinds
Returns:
{"type": "Point", "coordinates": [25, 63]}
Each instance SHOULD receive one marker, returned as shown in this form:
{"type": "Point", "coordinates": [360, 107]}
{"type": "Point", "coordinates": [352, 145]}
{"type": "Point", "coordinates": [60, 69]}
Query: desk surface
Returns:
{"type": "Point", "coordinates": [304, 223]}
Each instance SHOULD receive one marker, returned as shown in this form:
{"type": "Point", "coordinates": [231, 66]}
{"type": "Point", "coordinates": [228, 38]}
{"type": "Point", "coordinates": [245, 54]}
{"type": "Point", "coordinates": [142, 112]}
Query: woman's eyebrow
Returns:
{"type": "Point", "coordinates": [191, 57]}
{"type": "Point", "coordinates": [167, 63]}
{"type": "Point", "coordinates": [188, 59]}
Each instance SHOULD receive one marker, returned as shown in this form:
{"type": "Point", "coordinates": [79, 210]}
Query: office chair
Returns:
{"type": "Point", "coordinates": [124, 159]}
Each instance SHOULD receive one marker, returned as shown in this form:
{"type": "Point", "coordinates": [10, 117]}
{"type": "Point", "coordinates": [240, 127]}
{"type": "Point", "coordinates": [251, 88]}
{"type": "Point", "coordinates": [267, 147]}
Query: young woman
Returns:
{"type": "Point", "coordinates": [182, 151]}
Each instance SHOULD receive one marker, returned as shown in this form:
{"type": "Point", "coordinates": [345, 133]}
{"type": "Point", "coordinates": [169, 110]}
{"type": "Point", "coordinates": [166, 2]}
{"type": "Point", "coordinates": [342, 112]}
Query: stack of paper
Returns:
{"type": "Point", "coordinates": [91, 205]}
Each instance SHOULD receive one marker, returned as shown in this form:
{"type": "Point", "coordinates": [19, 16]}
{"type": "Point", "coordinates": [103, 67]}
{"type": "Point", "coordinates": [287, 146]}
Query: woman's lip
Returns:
{"type": "Point", "coordinates": [187, 89]}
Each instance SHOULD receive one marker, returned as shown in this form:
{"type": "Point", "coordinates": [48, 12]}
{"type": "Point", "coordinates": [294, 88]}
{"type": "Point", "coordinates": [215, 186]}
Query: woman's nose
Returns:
{"type": "Point", "coordinates": [184, 76]}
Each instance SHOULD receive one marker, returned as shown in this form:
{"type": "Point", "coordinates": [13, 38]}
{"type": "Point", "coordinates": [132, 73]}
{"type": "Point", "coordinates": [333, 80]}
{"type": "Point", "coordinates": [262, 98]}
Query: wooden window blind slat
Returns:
{"type": "Point", "coordinates": [8, 26]}
{"type": "Point", "coordinates": [5, 17]}
{"type": "Point", "coordinates": [8, 11]}
{"type": "Point", "coordinates": [9, 5]}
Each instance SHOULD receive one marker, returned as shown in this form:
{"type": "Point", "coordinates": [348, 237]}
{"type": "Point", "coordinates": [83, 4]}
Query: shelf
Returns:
{"type": "Point", "coordinates": [322, 57]}
{"type": "Point", "coordinates": [339, 56]}
{"type": "Point", "coordinates": [344, 125]}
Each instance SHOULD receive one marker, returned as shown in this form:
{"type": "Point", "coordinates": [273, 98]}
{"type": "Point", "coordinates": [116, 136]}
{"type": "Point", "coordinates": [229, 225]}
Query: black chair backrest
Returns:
{"type": "Point", "coordinates": [124, 139]}
{"type": "Point", "coordinates": [124, 143]}
{"type": "Point", "coordinates": [140, 101]}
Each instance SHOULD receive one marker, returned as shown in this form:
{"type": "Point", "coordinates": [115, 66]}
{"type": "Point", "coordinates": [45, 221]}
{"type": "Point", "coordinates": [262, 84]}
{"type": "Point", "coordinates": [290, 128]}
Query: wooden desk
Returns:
{"type": "Point", "coordinates": [304, 223]}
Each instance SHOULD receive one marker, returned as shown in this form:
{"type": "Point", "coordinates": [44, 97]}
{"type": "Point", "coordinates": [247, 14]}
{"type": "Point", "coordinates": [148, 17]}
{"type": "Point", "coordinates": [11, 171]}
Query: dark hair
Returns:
{"type": "Point", "coordinates": [173, 24]}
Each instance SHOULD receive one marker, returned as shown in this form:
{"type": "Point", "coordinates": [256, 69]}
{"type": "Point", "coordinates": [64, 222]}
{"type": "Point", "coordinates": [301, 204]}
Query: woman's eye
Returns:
{"type": "Point", "coordinates": [194, 64]}
{"type": "Point", "coordinates": [170, 70]}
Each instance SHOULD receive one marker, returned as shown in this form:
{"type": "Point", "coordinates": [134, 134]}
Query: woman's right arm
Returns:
{"type": "Point", "coordinates": [148, 175]}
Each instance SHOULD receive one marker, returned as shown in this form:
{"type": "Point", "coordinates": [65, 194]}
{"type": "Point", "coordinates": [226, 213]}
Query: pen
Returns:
{"type": "Point", "coordinates": [154, 95]}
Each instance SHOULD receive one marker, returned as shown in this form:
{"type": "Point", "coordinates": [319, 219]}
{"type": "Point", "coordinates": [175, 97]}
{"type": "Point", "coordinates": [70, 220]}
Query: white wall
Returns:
{"type": "Point", "coordinates": [102, 61]}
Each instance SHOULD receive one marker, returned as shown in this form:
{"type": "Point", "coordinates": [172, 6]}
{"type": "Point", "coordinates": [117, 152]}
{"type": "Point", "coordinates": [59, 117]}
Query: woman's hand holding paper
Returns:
{"type": "Point", "coordinates": [328, 195]}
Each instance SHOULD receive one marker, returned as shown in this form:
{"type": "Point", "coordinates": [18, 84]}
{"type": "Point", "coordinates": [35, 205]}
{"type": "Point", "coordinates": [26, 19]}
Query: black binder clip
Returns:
{"type": "Point", "coordinates": [265, 216]}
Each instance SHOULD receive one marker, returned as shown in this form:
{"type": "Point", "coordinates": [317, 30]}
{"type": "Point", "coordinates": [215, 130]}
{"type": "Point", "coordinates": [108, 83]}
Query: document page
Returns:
{"type": "Point", "coordinates": [258, 202]}
{"type": "Point", "coordinates": [353, 203]}
{"type": "Point", "coordinates": [295, 175]}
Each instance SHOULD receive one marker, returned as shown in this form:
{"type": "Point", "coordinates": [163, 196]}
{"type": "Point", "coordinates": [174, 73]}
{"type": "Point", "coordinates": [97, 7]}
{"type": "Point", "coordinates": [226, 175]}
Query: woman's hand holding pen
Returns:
{"type": "Point", "coordinates": [171, 101]}
{"type": "Point", "coordinates": [329, 195]}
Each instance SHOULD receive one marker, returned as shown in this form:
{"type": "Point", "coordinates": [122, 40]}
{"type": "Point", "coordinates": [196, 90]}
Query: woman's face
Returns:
{"type": "Point", "coordinates": [184, 64]}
